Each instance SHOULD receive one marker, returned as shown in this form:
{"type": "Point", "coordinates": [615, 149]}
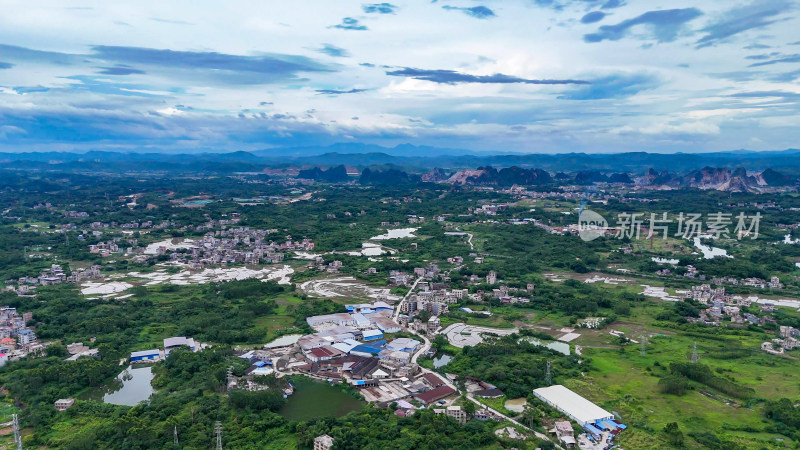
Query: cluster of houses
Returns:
{"type": "Point", "coordinates": [55, 275]}
{"type": "Point", "coordinates": [16, 339]}
{"type": "Point", "coordinates": [692, 272]}
{"type": "Point", "coordinates": [773, 283]}
{"type": "Point", "coordinates": [462, 417]}
{"type": "Point", "coordinates": [490, 210]}
{"type": "Point", "coordinates": [722, 306]}
{"type": "Point", "coordinates": [238, 245]}
{"type": "Point", "coordinates": [334, 266]}
{"type": "Point", "coordinates": [788, 340]}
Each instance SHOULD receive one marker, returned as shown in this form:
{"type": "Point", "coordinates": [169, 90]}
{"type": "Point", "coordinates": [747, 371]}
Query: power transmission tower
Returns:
{"type": "Point", "coordinates": [229, 377]}
{"type": "Point", "coordinates": [175, 436]}
{"type": "Point", "coordinates": [644, 343]}
{"type": "Point", "coordinates": [694, 354]}
{"type": "Point", "coordinates": [548, 378]}
{"type": "Point", "coordinates": [218, 431]}
{"type": "Point", "coordinates": [17, 437]}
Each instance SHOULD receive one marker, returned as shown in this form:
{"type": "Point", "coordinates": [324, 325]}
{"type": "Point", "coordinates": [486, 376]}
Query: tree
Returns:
{"type": "Point", "coordinates": [674, 434]}
{"type": "Point", "coordinates": [424, 316]}
{"type": "Point", "coordinates": [439, 342]}
{"type": "Point", "coordinates": [673, 384]}
{"type": "Point", "coordinates": [469, 406]}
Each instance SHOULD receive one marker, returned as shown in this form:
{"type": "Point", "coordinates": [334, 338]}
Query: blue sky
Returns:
{"type": "Point", "coordinates": [517, 76]}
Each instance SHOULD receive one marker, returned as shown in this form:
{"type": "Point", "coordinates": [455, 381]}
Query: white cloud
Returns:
{"type": "Point", "coordinates": [522, 40]}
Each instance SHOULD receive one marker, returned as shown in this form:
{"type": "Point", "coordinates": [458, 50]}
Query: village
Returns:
{"type": "Point", "coordinates": [17, 340]}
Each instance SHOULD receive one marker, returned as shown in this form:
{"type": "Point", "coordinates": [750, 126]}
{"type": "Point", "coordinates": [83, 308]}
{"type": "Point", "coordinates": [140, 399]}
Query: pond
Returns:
{"type": "Point", "coordinates": [560, 347]}
{"type": "Point", "coordinates": [516, 405]}
{"type": "Point", "coordinates": [442, 360]}
{"type": "Point", "coordinates": [129, 388]}
{"type": "Point", "coordinates": [315, 399]}
{"type": "Point", "coordinates": [710, 252]}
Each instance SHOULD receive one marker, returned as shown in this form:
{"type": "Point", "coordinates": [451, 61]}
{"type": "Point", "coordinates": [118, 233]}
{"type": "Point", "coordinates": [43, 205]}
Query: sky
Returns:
{"type": "Point", "coordinates": [545, 76]}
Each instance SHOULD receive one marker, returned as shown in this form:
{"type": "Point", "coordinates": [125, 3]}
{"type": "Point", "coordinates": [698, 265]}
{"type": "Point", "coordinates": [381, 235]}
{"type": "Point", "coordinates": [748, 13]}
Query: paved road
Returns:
{"type": "Point", "coordinates": [408, 294]}
{"type": "Point", "coordinates": [426, 345]}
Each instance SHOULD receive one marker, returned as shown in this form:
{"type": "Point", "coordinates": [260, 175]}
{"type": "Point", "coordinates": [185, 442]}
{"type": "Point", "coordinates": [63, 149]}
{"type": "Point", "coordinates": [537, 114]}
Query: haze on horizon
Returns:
{"type": "Point", "coordinates": [523, 76]}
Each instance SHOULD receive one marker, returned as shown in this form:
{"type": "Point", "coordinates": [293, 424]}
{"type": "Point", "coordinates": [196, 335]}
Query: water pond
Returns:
{"type": "Point", "coordinates": [442, 360]}
{"type": "Point", "coordinates": [129, 388]}
{"type": "Point", "coordinates": [710, 252]}
{"type": "Point", "coordinates": [316, 399]}
{"type": "Point", "coordinates": [516, 405]}
{"type": "Point", "coordinates": [560, 347]}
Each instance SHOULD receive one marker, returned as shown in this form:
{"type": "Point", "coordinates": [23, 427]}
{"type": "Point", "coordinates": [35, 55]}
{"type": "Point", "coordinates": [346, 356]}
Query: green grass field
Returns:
{"type": "Point", "coordinates": [626, 382]}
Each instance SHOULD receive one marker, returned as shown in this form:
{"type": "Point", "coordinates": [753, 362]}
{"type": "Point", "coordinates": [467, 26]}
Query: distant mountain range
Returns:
{"type": "Point", "coordinates": [420, 158]}
{"type": "Point", "coordinates": [721, 179]}
{"type": "Point", "coordinates": [739, 170]}
{"type": "Point", "coordinates": [716, 178]}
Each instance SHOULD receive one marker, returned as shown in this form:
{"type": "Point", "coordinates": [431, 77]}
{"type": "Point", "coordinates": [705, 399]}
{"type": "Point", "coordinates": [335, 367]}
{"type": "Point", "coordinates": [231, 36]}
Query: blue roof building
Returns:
{"type": "Point", "coordinates": [146, 356]}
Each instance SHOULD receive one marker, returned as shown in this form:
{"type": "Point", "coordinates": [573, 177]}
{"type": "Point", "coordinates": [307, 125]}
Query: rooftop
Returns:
{"type": "Point", "coordinates": [572, 404]}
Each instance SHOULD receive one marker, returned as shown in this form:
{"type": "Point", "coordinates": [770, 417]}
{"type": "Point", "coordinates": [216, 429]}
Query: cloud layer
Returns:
{"type": "Point", "coordinates": [518, 75]}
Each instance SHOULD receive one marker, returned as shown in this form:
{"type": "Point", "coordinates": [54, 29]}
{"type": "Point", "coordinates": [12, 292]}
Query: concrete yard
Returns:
{"type": "Point", "coordinates": [461, 335]}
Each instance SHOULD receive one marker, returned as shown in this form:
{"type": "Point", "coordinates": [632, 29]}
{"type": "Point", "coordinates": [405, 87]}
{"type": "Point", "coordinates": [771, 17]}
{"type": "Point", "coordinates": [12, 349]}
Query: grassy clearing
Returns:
{"type": "Point", "coordinates": [498, 404]}
{"type": "Point", "coordinates": [626, 382]}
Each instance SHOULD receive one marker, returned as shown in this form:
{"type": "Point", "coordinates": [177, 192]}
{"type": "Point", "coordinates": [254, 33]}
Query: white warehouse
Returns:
{"type": "Point", "coordinates": [572, 405]}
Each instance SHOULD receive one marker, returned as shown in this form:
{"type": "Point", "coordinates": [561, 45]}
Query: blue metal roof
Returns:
{"type": "Point", "coordinates": [603, 426]}
{"type": "Point", "coordinates": [366, 349]}
{"type": "Point", "coordinates": [609, 425]}
{"type": "Point", "coordinates": [592, 429]}
{"type": "Point", "coordinates": [619, 425]}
